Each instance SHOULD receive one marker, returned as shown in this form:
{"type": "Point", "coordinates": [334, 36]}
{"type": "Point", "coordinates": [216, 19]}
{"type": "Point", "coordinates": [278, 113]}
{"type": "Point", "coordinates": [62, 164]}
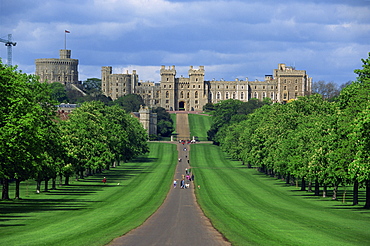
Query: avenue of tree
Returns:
{"type": "Point", "coordinates": [36, 144]}
{"type": "Point", "coordinates": [312, 141]}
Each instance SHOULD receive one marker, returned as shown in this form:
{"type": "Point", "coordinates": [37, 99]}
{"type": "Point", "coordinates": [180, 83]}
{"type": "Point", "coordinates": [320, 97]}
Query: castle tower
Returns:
{"type": "Point", "coordinates": [148, 120]}
{"type": "Point", "coordinates": [168, 88]}
{"type": "Point", "coordinates": [63, 70]}
{"type": "Point", "coordinates": [118, 85]}
{"type": "Point", "coordinates": [198, 89]}
{"type": "Point", "coordinates": [291, 83]}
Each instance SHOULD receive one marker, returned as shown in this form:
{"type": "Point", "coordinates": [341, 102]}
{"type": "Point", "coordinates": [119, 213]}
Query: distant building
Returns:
{"type": "Point", "coordinates": [193, 92]}
{"type": "Point", "coordinates": [63, 69]}
{"type": "Point", "coordinates": [148, 119]}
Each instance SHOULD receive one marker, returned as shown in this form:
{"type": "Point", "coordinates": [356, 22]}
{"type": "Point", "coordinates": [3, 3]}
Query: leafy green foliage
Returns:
{"type": "Point", "coordinates": [130, 102]}
{"type": "Point", "coordinates": [310, 139]}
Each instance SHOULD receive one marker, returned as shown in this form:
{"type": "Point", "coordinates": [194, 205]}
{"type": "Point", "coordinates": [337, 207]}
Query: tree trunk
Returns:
{"type": "Point", "coordinates": [324, 190]}
{"type": "Point", "coordinates": [287, 179]}
{"type": "Point", "coordinates": [60, 180]}
{"type": "Point", "coordinates": [66, 180]}
{"type": "Point", "coordinates": [367, 199]}
{"type": "Point", "coordinates": [5, 193]}
{"type": "Point", "coordinates": [335, 190]}
{"type": "Point", "coordinates": [355, 193]}
{"type": "Point", "coordinates": [309, 186]}
{"type": "Point", "coordinates": [303, 185]}
{"type": "Point", "coordinates": [17, 184]}
{"type": "Point", "coordinates": [46, 185]}
{"type": "Point", "coordinates": [317, 188]}
{"type": "Point", "coordinates": [54, 183]}
{"type": "Point", "coordinates": [38, 186]}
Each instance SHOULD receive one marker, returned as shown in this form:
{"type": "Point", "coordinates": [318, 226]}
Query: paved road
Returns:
{"type": "Point", "coordinates": [179, 221]}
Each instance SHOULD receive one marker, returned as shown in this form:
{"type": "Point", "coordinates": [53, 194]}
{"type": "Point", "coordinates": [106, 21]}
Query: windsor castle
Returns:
{"type": "Point", "coordinates": [175, 93]}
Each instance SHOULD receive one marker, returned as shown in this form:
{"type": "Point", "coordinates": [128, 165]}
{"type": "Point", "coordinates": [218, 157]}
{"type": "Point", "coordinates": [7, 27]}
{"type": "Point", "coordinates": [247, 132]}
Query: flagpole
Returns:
{"type": "Point", "coordinates": [65, 40]}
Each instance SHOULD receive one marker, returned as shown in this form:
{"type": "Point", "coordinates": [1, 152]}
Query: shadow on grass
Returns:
{"type": "Point", "coordinates": [70, 197]}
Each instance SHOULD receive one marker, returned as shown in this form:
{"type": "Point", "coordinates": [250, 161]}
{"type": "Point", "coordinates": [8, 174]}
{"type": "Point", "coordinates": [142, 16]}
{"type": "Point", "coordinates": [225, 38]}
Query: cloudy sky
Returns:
{"type": "Point", "coordinates": [231, 38]}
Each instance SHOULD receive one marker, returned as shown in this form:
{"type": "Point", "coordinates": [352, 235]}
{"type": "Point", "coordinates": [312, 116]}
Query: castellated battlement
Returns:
{"type": "Point", "coordinates": [170, 71]}
{"type": "Point", "coordinates": [196, 72]}
{"type": "Point", "coordinates": [63, 70]}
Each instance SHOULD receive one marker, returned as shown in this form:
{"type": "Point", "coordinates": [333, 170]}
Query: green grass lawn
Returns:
{"type": "Point", "coordinates": [88, 212]}
{"type": "Point", "coordinates": [250, 208]}
{"type": "Point", "coordinates": [199, 125]}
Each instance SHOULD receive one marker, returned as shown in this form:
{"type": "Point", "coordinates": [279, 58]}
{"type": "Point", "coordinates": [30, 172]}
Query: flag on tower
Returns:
{"type": "Point", "coordinates": [66, 31]}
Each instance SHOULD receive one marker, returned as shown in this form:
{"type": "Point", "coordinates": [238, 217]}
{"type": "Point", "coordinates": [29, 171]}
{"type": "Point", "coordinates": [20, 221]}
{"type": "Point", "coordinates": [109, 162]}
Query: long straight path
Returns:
{"type": "Point", "coordinates": [179, 221]}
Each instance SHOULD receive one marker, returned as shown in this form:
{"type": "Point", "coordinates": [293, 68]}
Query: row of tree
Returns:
{"type": "Point", "coordinates": [320, 143]}
{"type": "Point", "coordinates": [35, 143]}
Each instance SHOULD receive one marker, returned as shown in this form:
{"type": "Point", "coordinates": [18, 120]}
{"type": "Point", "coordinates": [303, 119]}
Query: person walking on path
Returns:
{"type": "Point", "coordinates": [174, 183]}
{"type": "Point", "coordinates": [104, 180]}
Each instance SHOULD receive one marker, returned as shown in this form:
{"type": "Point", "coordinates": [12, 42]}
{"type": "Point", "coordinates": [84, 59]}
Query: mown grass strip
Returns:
{"type": "Point", "coordinates": [250, 208]}
{"type": "Point", "coordinates": [88, 212]}
{"type": "Point", "coordinates": [199, 125]}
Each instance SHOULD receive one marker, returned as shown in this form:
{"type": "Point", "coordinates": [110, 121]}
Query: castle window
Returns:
{"type": "Point", "coordinates": [227, 87]}
{"type": "Point", "coordinates": [263, 87]}
{"type": "Point", "coordinates": [289, 81]}
{"type": "Point", "coordinates": [227, 95]}
{"type": "Point", "coordinates": [255, 87]}
{"type": "Point", "coordinates": [218, 95]}
{"type": "Point", "coordinates": [196, 101]}
{"type": "Point", "coordinates": [284, 87]}
{"type": "Point", "coordinates": [199, 86]}
{"type": "Point", "coordinates": [196, 79]}
{"type": "Point", "coordinates": [263, 94]}
{"type": "Point", "coordinates": [196, 94]}
{"type": "Point", "coordinates": [116, 84]}
{"type": "Point", "coordinates": [167, 101]}
{"type": "Point", "coordinates": [272, 96]}
{"type": "Point", "coordinates": [296, 95]}
{"type": "Point", "coordinates": [285, 96]}
{"type": "Point", "coordinates": [255, 95]}
{"type": "Point", "coordinates": [169, 86]}
{"type": "Point", "coordinates": [193, 86]}
{"type": "Point", "coordinates": [242, 87]}
{"type": "Point", "coordinates": [284, 80]}
{"type": "Point", "coordinates": [188, 95]}
{"type": "Point", "coordinates": [182, 94]}
{"type": "Point", "coordinates": [117, 90]}
{"type": "Point", "coordinates": [296, 80]}
{"type": "Point", "coordinates": [164, 86]}
{"type": "Point", "coordinates": [167, 94]}
{"type": "Point", "coordinates": [296, 88]}
{"type": "Point", "coordinates": [167, 79]}
{"type": "Point", "coordinates": [234, 95]}
{"type": "Point", "coordinates": [182, 86]}
{"type": "Point", "coordinates": [272, 87]}
{"type": "Point", "coordinates": [242, 96]}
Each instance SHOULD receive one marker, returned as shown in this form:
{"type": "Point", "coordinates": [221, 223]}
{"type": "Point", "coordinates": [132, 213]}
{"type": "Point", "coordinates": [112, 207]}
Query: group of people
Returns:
{"type": "Point", "coordinates": [185, 180]}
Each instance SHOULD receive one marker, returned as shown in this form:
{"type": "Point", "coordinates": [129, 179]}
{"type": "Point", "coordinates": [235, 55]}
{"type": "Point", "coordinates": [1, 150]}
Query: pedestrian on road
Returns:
{"type": "Point", "coordinates": [104, 180]}
{"type": "Point", "coordinates": [182, 184]}
{"type": "Point", "coordinates": [186, 171]}
{"type": "Point", "coordinates": [174, 183]}
{"type": "Point", "coordinates": [192, 177]}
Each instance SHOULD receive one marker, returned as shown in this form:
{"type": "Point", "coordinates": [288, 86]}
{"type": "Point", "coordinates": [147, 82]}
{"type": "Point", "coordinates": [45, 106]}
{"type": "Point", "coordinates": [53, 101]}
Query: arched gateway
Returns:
{"type": "Point", "coordinates": [182, 106]}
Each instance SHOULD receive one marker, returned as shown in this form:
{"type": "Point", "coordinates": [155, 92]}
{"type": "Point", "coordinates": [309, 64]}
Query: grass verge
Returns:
{"type": "Point", "coordinates": [249, 208]}
{"type": "Point", "coordinates": [88, 212]}
{"type": "Point", "coordinates": [199, 125]}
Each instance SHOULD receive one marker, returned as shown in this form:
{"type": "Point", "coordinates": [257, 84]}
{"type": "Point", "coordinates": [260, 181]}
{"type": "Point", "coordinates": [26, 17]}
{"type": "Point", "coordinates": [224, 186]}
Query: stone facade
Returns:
{"type": "Point", "coordinates": [193, 92]}
{"type": "Point", "coordinates": [63, 70]}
